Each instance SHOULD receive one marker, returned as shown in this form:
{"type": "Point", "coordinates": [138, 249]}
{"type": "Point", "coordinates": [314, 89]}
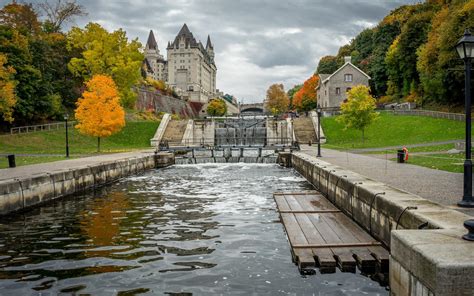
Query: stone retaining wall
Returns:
{"type": "Point", "coordinates": [23, 193]}
{"type": "Point", "coordinates": [418, 232]}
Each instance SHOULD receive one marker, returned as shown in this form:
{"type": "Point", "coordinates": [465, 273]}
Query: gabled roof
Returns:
{"type": "Point", "coordinates": [343, 66]}
{"type": "Point", "coordinates": [189, 39]}
{"type": "Point", "coordinates": [151, 42]}
{"type": "Point", "coordinates": [322, 77]}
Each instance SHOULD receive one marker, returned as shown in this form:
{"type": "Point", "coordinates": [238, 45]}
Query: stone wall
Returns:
{"type": "Point", "coordinates": [155, 101]}
{"type": "Point", "coordinates": [420, 234]}
{"type": "Point", "coordinates": [23, 193]}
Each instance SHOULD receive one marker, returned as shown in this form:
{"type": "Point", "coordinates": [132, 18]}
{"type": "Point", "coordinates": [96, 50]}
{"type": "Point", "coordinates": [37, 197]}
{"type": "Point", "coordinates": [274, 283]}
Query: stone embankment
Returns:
{"type": "Point", "coordinates": [22, 193]}
{"type": "Point", "coordinates": [428, 254]}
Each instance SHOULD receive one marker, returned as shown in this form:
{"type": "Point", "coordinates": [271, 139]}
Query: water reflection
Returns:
{"type": "Point", "coordinates": [205, 229]}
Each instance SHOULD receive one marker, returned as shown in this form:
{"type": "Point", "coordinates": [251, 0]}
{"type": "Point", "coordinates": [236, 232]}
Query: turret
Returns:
{"type": "Point", "coordinates": [210, 48]}
{"type": "Point", "coordinates": [151, 47]}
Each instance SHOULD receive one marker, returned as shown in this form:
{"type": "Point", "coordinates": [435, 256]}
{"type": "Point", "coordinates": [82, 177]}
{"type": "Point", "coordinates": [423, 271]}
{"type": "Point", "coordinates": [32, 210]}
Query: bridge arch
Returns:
{"type": "Point", "coordinates": [252, 108]}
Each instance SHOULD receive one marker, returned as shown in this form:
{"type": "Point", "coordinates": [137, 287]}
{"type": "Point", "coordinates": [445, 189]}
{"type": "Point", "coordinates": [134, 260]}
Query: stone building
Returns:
{"type": "Point", "coordinates": [189, 68]}
{"type": "Point", "coordinates": [332, 89]}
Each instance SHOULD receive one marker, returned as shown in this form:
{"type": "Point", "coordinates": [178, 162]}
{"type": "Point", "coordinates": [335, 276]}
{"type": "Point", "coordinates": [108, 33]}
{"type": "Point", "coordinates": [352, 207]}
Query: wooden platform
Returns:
{"type": "Point", "coordinates": [321, 236]}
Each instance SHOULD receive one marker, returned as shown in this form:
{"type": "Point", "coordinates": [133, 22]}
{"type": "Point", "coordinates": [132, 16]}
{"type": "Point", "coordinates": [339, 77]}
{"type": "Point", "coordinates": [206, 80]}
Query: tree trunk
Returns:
{"type": "Point", "coordinates": [98, 144]}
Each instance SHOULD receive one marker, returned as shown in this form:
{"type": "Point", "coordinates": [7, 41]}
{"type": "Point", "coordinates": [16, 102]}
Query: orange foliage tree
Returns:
{"type": "Point", "coordinates": [305, 99]}
{"type": "Point", "coordinates": [98, 110]}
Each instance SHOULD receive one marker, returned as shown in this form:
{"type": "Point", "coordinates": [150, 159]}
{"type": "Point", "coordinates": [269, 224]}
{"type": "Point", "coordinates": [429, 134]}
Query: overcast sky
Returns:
{"type": "Point", "coordinates": [257, 43]}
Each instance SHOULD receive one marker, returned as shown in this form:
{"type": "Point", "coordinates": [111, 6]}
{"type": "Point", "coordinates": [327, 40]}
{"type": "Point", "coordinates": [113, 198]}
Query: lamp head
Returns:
{"type": "Point", "coordinates": [465, 46]}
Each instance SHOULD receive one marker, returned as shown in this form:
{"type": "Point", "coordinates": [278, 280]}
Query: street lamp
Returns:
{"type": "Point", "coordinates": [318, 110]}
{"type": "Point", "coordinates": [465, 49]}
{"type": "Point", "coordinates": [66, 117]}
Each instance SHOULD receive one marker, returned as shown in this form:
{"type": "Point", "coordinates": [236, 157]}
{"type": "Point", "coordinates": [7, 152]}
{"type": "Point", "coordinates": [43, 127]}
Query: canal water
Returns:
{"type": "Point", "coordinates": [208, 229]}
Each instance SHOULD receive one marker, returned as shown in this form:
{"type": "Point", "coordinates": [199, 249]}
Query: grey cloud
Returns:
{"type": "Point", "coordinates": [277, 40]}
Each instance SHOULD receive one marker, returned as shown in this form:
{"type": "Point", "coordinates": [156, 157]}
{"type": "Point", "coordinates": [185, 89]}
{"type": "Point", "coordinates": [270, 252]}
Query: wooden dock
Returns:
{"type": "Point", "coordinates": [322, 236]}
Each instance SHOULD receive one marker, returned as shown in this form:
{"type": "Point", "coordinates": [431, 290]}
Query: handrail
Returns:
{"type": "Point", "coordinates": [40, 127]}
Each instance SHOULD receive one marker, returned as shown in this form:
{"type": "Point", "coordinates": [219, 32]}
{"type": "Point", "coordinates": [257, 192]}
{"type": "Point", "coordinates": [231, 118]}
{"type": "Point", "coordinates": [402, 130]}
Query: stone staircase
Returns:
{"type": "Point", "coordinates": [304, 130]}
{"type": "Point", "coordinates": [174, 132]}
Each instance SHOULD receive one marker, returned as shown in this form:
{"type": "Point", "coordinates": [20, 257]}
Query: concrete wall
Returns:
{"type": "Point", "coordinates": [23, 193]}
{"type": "Point", "coordinates": [433, 260]}
{"type": "Point", "coordinates": [160, 131]}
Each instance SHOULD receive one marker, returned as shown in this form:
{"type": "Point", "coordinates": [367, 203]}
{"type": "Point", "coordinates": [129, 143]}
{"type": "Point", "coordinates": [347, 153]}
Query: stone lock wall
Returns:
{"type": "Point", "coordinates": [420, 234]}
{"type": "Point", "coordinates": [23, 193]}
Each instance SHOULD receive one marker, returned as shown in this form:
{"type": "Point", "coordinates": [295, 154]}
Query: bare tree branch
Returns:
{"type": "Point", "coordinates": [59, 12]}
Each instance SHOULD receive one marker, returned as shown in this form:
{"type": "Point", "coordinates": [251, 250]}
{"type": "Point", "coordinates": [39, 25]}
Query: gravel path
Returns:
{"type": "Point", "coordinates": [24, 171]}
{"type": "Point", "coordinates": [439, 186]}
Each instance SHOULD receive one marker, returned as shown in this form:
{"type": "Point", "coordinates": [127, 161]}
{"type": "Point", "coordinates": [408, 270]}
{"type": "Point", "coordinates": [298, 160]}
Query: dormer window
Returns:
{"type": "Point", "coordinates": [348, 77]}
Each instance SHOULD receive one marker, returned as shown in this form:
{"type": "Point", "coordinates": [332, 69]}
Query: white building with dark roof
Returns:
{"type": "Point", "coordinates": [190, 68]}
{"type": "Point", "coordinates": [332, 88]}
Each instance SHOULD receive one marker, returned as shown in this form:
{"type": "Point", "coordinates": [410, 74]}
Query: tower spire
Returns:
{"type": "Point", "coordinates": [209, 44]}
{"type": "Point", "coordinates": [151, 42]}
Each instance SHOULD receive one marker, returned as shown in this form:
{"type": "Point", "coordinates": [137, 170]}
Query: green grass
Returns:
{"type": "Point", "coordinates": [446, 162]}
{"type": "Point", "coordinates": [435, 148]}
{"type": "Point", "coordinates": [391, 130]}
{"type": "Point", "coordinates": [27, 160]}
{"type": "Point", "coordinates": [135, 135]}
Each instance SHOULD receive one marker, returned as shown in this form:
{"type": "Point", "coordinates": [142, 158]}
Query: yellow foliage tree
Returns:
{"type": "Point", "coordinates": [98, 110]}
{"type": "Point", "coordinates": [217, 107]}
{"type": "Point", "coordinates": [277, 100]}
{"type": "Point", "coordinates": [7, 90]}
{"type": "Point", "coordinates": [358, 111]}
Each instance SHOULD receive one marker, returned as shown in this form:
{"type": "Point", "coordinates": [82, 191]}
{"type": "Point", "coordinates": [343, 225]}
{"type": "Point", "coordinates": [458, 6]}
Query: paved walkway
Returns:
{"type": "Point", "coordinates": [23, 171]}
{"type": "Point", "coordinates": [439, 186]}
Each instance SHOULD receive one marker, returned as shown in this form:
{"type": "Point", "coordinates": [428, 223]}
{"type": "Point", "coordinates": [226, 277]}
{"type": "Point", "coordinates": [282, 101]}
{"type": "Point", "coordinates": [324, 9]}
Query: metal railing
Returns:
{"type": "Point", "coordinates": [40, 127]}
{"type": "Point", "coordinates": [434, 114]}
{"type": "Point", "coordinates": [228, 142]}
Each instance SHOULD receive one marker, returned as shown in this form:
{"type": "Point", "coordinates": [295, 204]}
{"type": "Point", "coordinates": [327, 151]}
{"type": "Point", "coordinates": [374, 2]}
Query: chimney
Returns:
{"type": "Point", "coordinates": [347, 60]}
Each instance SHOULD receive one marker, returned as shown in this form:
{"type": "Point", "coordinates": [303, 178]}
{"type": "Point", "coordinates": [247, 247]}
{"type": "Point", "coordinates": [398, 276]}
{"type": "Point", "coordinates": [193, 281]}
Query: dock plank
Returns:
{"type": "Point", "coordinates": [320, 235]}
{"type": "Point", "coordinates": [304, 257]}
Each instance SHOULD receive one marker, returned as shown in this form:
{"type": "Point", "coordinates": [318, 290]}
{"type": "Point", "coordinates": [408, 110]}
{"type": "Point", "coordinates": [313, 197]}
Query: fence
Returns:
{"type": "Point", "coordinates": [435, 114]}
{"type": "Point", "coordinates": [40, 127]}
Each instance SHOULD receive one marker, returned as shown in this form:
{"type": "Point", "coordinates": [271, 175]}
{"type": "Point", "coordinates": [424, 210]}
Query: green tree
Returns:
{"type": "Point", "coordinates": [358, 111]}
{"type": "Point", "coordinates": [277, 100]}
{"type": "Point", "coordinates": [327, 65]}
{"type": "Point", "coordinates": [291, 92]}
{"type": "Point", "coordinates": [107, 53]}
{"type": "Point", "coordinates": [217, 107]}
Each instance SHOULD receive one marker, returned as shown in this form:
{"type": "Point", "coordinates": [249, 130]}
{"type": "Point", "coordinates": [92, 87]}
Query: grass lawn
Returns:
{"type": "Point", "coordinates": [392, 130]}
{"type": "Point", "coordinates": [135, 135]}
{"type": "Point", "coordinates": [435, 148]}
{"type": "Point", "coordinates": [26, 160]}
{"type": "Point", "coordinates": [446, 162]}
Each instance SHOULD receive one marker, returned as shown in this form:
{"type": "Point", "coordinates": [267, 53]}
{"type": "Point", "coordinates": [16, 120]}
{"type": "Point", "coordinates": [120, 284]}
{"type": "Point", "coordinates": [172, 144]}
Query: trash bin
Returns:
{"type": "Point", "coordinates": [400, 156]}
{"type": "Point", "coordinates": [11, 160]}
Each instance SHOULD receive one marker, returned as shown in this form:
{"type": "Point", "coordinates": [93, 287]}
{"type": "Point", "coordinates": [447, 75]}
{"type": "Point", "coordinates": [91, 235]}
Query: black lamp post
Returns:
{"type": "Point", "coordinates": [66, 117]}
{"type": "Point", "coordinates": [318, 110]}
{"type": "Point", "coordinates": [465, 49]}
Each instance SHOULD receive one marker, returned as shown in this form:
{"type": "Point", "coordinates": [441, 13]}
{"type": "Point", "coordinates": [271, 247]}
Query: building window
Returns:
{"type": "Point", "coordinates": [348, 77]}
{"type": "Point", "coordinates": [325, 92]}
{"type": "Point", "coordinates": [348, 89]}
{"type": "Point", "coordinates": [191, 88]}
{"type": "Point", "coordinates": [338, 90]}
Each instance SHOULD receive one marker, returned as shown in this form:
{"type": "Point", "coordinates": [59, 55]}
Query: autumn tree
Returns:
{"type": "Point", "coordinates": [7, 90]}
{"type": "Point", "coordinates": [59, 12]}
{"type": "Point", "coordinates": [217, 107]}
{"type": "Point", "coordinates": [98, 111]}
{"type": "Point", "coordinates": [358, 111]}
{"type": "Point", "coordinates": [108, 54]}
{"type": "Point", "coordinates": [306, 98]}
{"type": "Point", "coordinates": [20, 17]}
{"type": "Point", "coordinates": [277, 100]}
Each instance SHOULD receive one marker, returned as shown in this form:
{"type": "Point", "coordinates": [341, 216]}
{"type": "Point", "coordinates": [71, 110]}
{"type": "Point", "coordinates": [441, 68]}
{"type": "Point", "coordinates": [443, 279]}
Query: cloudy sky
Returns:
{"type": "Point", "coordinates": [257, 43]}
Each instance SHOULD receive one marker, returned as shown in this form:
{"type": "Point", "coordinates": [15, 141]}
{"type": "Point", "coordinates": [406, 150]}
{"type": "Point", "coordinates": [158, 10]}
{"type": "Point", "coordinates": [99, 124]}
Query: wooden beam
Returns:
{"type": "Point", "coordinates": [344, 245]}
